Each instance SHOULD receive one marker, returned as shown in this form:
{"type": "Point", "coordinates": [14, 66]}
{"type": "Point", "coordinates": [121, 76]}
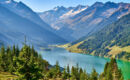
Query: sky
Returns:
{"type": "Point", "coordinates": [44, 5]}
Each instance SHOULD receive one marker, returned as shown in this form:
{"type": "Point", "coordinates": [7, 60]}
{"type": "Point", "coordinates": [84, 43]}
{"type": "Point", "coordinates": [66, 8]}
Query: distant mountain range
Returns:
{"type": "Point", "coordinates": [111, 41]}
{"type": "Point", "coordinates": [17, 20]}
{"type": "Point", "coordinates": [73, 23]}
{"type": "Point", "coordinates": [59, 13]}
{"type": "Point", "coordinates": [56, 26]}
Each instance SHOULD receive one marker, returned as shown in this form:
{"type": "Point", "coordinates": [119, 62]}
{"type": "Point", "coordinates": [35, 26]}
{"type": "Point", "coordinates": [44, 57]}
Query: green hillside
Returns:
{"type": "Point", "coordinates": [112, 41]}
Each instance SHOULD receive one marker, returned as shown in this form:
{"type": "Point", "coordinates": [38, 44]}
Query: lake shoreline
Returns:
{"type": "Point", "coordinates": [85, 61]}
{"type": "Point", "coordinates": [83, 52]}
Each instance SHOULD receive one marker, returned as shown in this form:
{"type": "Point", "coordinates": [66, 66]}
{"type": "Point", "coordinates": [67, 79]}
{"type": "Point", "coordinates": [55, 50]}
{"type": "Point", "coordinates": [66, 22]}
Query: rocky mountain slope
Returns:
{"type": "Point", "coordinates": [55, 17]}
{"type": "Point", "coordinates": [85, 20]}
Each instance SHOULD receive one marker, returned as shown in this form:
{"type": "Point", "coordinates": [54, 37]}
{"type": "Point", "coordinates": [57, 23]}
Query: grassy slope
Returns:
{"type": "Point", "coordinates": [116, 50]}
{"type": "Point", "coordinates": [7, 76]}
{"type": "Point", "coordinates": [75, 48]}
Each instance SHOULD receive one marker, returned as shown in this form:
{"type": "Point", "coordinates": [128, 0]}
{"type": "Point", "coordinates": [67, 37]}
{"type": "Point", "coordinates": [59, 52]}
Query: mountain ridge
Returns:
{"type": "Point", "coordinates": [111, 41]}
{"type": "Point", "coordinates": [24, 11]}
{"type": "Point", "coordinates": [15, 27]}
{"type": "Point", "coordinates": [88, 21]}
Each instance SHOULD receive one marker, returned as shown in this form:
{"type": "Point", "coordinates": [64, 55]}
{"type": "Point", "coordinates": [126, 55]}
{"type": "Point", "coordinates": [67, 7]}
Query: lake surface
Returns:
{"type": "Point", "coordinates": [87, 62]}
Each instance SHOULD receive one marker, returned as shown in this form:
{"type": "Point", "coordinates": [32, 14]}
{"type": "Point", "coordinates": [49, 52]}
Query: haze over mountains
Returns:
{"type": "Point", "coordinates": [75, 22]}
{"type": "Point", "coordinates": [56, 26]}
{"type": "Point", "coordinates": [59, 13]}
{"type": "Point", "coordinates": [17, 20]}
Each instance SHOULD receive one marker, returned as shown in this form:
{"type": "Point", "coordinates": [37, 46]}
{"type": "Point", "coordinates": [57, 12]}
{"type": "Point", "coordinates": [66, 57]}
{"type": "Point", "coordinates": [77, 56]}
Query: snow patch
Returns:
{"type": "Point", "coordinates": [72, 13]}
{"type": "Point", "coordinates": [9, 1]}
{"type": "Point", "coordinates": [109, 12]}
{"type": "Point", "coordinates": [6, 1]}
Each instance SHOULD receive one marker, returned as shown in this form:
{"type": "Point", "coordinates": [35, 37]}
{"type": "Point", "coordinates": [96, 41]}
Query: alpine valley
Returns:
{"type": "Point", "coordinates": [101, 29]}
{"type": "Point", "coordinates": [99, 32]}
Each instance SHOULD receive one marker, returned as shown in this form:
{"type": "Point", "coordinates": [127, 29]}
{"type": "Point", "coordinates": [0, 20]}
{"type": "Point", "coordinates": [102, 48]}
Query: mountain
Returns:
{"type": "Point", "coordinates": [111, 41]}
{"type": "Point", "coordinates": [24, 11]}
{"type": "Point", "coordinates": [13, 28]}
{"type": "Point", "coordinates": [58, 14]}
{"type": "Point", "coordinates": [4, 40]}
{"type": "Point", "coordinates": [87, 20]}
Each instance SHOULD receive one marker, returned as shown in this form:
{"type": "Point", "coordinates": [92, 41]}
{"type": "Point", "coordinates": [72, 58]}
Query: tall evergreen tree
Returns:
{"type": "Point", "coordinates": [28, 68]}
{"type": "Point", "coordinates": [64, 74]}
{"type": "Point", "coordinates": [58, 71]}
{"type": "Point", "coordinates": [68, 72]}
{"type": "Point", "coordinates": [111, 71]}
{"type": "Point", "coordinates": [3, 64]}
{"type": "Point", "coordinates": [94, 75]}
{"type": "Point", "coordinates": [83, 76]}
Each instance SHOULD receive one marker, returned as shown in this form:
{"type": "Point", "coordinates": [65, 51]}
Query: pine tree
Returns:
{"type": "Point", "coordinates": [109, 75]}
{"type": "Point", "coordinates": [84, 76]}
{"type": "Point", "coordinates": [64, 74]}
{"type": "Point", "coordinates": [119, 75]}
{"type": "Point", "coordinates": [80, 71]}
{"type": "Point", "coordinates": [106, 67]}
{"type": "Point", "coordinates": [111, 71]}
{"type": "Point", "coordinates": [14, 51]}
{"type": "Point", "coordinates": [34, 53]}
{"type": "Point", "coordinates": [3, 64]}
{"type": "Point", "coordinates": [68, 72]}
{"type": "Point", "coordinates": [94, 75]}
{"type": "Point", "coordinates": [73, 77]}
{"type": "Point", "coordinates": [77, 73]}
{"type": "Point", "coordinates": [57, 68]}
{"type": "Point", "coordinates": [50, 74]}
{"type": "Point", "coordinates": [28, 68]}
{"type": "Point", "coordinates": [17, 51]}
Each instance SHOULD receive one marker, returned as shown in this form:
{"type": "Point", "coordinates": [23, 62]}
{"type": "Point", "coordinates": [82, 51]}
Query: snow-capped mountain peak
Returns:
{"type": "Point", "coordinates": [74, 11]}
{"type": "Point", "coordinates": [61, 12]}
{"type": "Point", "coordinates": [80, 20]}
{"type": "Point", "coordinates": [6, 1]}
{"type": "Point", "coordinates": [79, 7]}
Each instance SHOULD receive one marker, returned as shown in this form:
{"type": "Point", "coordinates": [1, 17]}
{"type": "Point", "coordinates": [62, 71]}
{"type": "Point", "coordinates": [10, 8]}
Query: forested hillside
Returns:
{"type": "Point", "coordinates": [112, 41]}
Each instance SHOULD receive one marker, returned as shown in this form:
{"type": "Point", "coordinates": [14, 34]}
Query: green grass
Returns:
{"type": "Point", "coordinates": [75, 48]}
{"type": "Point", "coordinates": [7, 76]}
{"type": "Point", "coordinates": [63, 46]}
{"type": "Point", "coordinates": [116, 50]}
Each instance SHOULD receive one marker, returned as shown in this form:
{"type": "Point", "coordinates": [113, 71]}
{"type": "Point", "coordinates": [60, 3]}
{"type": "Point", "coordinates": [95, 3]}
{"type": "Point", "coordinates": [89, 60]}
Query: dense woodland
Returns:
{"type": "Point", "coordinates": [116, 34]}
{"type": "Point", "coordinates": [27, 64]}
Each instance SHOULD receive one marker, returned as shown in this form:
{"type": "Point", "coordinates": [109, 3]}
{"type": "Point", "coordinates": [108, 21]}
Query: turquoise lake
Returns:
{"type": "Point", "coordinates": [87, 62]}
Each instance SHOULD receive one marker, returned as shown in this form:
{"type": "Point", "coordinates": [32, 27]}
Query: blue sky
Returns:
{"type": "Point", "coordinates": [43, 5]}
